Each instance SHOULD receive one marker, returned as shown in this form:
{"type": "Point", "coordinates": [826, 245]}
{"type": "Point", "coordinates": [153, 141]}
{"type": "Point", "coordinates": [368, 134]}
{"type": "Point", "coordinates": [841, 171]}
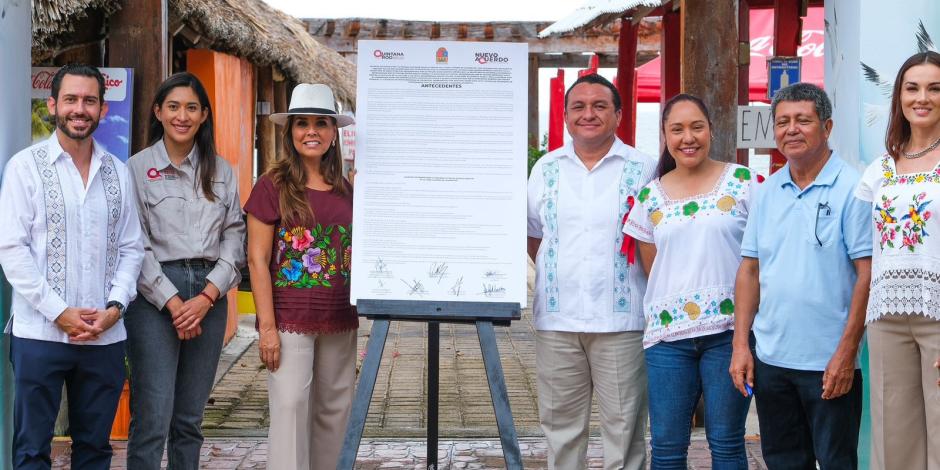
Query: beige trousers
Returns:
{"type": "Point", "coordinates": [905, 399]}
{"type": "Point", "coordinates": [310, 396]}
{"type": "Point", "coordinates": [572, 366]}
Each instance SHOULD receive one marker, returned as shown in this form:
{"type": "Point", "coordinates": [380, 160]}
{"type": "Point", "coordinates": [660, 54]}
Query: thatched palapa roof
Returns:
{"type": "Point", "coordinates": [596, 12]}
{"type": "Point", "coordinates": [245, 28]}
{"type": "Point", "coordinates": [54, 19]}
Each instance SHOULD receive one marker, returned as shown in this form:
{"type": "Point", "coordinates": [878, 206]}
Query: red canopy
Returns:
{"type": "Point", "coordinates": [762, 39]}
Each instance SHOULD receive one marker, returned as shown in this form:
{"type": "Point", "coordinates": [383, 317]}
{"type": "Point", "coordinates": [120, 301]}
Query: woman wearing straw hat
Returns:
{"type": "Point", "coordinates": [299, 238]}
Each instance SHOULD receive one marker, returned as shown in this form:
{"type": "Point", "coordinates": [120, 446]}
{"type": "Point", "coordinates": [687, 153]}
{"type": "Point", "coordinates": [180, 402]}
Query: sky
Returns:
{"type": "Point", "coordinates": [423, 10]}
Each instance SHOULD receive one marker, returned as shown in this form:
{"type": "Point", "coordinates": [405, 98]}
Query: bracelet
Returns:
{"type": "Point", "coordinates": [211, 302]}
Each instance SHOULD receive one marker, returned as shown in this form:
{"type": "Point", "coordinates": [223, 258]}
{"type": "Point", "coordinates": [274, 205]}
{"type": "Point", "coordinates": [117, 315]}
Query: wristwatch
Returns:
{"type": "Point", "coordinates": [118, 305]}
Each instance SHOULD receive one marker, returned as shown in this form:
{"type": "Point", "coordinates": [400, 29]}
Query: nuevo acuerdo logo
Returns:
{"type": "Point", "coordinates": [489, 57]}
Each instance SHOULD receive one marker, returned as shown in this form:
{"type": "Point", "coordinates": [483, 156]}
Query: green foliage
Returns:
{"type": "Point", "coordinates": [41, 124]}
{"type": "Point", "coordinates": [536, 153]}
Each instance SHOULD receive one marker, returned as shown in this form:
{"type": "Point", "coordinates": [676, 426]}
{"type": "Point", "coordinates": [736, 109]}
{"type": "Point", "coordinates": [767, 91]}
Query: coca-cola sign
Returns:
{"type": "Point", "coordinates": [115, 82]}
{"type": "Point", "coordinates": [812, 45]}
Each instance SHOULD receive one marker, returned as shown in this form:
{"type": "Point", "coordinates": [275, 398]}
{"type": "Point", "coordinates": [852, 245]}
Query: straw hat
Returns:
{"type": "Point", "coordinates": [312, 99]}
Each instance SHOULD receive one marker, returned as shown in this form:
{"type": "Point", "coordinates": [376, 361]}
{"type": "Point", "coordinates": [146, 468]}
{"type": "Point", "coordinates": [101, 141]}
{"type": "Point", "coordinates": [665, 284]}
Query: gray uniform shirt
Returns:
{"type": "Point", "coordinates": [180, 223]}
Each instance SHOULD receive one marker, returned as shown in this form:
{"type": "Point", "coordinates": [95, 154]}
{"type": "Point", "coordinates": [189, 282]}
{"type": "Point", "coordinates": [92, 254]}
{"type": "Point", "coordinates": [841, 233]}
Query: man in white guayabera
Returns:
{"type": "Point", "coordinates": [588, 298]}
{"type": "Point", "coordinates": [71, 248]}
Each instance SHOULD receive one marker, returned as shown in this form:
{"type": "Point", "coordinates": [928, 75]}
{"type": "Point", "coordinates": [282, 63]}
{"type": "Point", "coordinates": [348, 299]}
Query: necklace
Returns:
{"type": "Point", "coordinates": [923, 152]}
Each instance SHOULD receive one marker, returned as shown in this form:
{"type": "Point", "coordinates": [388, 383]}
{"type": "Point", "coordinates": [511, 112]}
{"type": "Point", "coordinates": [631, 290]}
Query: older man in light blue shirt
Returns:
{"type": "Point", "coordinates": [803, 287]}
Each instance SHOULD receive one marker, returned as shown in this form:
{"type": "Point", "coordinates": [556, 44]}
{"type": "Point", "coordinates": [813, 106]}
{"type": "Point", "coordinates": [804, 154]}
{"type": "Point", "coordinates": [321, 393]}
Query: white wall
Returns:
{"type": "Point", "coordinates": [882, 37]}
{"type": "Point", "coordinates": [15, 30]}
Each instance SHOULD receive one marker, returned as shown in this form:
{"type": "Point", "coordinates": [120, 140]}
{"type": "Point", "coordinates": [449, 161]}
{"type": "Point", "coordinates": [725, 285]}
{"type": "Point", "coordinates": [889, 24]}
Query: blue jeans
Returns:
{"type": "Point", "coordinates": [171, 379]}
{"type": "Point", "coordinates": [799, 428]}
{"type": "Point", "coordinates": [679, 373]}
{"type": "Point", "coordinates": [93, 377]}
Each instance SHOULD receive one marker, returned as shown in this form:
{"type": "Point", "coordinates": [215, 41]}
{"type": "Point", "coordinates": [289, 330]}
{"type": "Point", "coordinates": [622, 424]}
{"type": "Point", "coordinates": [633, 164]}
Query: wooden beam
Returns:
{"type": "Point", "coordinates": [787, 27]}
{"type": "Point", "coordinates": [602, 40]}
{"type": "Point", "coordinates": [626, 82]}
{"type": "Point", "coordinates": [711, 72]}
{"type": "Point", "coordinates": [134, 30]}
{"type": "Point", "coordinates": [267, 142]}
{"type": "Point", "coordinates": [744, 69]}
{"type": "Point", "coordinates": [671, 56]}
{"type": "Point", "coordinates": [533, 100]}
{"type": "Point", "coordinates": [578, 60]}
{"type": "Point", "coordinates": [352, 28]}
{"type": "Point", "coordinates": [280, 106]}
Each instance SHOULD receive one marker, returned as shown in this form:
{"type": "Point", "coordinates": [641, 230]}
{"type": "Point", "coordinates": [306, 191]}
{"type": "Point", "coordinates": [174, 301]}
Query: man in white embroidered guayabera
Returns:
{"type": "Point", "coordinates": [588, 299]}
{"type": "Point", "coordinates": [71, 248]}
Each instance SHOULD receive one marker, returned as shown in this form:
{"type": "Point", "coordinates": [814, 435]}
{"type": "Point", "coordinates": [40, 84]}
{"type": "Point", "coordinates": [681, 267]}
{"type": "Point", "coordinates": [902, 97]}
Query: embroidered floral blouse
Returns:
{"type": "Point", "coordinates": [690, 292]}
{"type": "Point", "coordinates": [309, 263]}
{"type": "Point", "coordinates": [905, 277]}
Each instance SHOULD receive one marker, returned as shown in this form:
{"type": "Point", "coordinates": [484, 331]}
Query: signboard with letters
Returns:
{"type": "Point", "coordinates": [755, 128]}
{"type": "Point", "coordinates": [781, 73]}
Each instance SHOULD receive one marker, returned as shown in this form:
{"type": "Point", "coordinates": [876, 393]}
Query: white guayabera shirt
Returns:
{"type": "Point", "coordinates": [583, 284]}
{"type": "Point", "coordinates": [63, 244]}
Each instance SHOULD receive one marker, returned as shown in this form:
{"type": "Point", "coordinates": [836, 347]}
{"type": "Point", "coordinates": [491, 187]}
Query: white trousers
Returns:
{"type": "Point", "coordinates": [570, 368]}
{"type": "Point", "coordinates": [310, 396]}
{"type": "Point", "coordinates": [905, 398]}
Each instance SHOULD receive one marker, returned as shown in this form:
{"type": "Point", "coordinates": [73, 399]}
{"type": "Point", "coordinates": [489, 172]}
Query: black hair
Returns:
{"type": "Point", "coordinates": [667, 162]}
{"type": "Point", "coordinates": [80, 70]}
{"type": "Point", "coordinates": [205, 136]}
{"type": "Point", "coordinates": [596, 80]}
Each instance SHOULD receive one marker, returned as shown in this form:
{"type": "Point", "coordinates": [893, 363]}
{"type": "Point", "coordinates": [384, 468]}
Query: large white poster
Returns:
{"type": "Point", "coordinates": [440, 201]}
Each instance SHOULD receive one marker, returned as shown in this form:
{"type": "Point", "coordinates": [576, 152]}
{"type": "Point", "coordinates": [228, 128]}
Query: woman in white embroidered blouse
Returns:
{"type": "Point", "coordinates": [904, 304]}
{"type": "Point", "coordinates": [689, 223]}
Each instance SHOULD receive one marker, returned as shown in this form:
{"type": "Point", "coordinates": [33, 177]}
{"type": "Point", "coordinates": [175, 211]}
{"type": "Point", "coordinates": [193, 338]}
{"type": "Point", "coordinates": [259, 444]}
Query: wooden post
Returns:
{"type": "Point", "coordinates": [556, 112]}
{"type": "Point", "coordinates": [744, 66]}
{"type": "Point", "coordinates": [266, 128]}
{"type": "Point", "coordinates": [787, 38]}
{"type": "Point", "coordinates": [534, 101]}
{"type": "Point", "coordinates": [626, 79]}
{"type": "Point", "coordinates": [671, 55]}
{"type": "Point", "coordinates": [280, 106]}
{"type": "Point", "coordinates": [711, 72]}
{"type": "Point", "coordinates": [787, 27]}
{"type": "Point", "coordinates": [139, 39]}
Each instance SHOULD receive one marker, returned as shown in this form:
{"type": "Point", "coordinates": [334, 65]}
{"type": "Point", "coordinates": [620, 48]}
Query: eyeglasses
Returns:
{"type": "Point", "coordinates": [819, 207]}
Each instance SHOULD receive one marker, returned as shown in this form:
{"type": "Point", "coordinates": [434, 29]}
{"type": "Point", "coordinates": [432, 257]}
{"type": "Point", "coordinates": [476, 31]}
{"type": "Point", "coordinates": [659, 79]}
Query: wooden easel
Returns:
{"type": "Point", "coordinates": [484, 315]}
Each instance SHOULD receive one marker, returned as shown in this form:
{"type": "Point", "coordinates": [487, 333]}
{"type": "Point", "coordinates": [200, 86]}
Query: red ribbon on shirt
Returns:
{"type": "Point", "coordinates": [628, 247]}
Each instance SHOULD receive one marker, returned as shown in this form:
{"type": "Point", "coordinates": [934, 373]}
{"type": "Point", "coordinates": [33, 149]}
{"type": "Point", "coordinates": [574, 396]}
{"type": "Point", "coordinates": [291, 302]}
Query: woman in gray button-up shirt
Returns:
{"type": "Point", "coordinates": [193, 239]}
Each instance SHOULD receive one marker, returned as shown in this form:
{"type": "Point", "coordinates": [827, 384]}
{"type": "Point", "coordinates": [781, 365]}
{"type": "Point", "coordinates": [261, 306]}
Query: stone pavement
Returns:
{"type": "Point", "coordinates": [251, 453]}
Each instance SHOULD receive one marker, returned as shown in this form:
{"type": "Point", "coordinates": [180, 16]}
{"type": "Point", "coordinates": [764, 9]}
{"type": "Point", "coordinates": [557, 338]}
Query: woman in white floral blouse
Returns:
{"type": "Point", "coordinates": [904, 306]}
{"type": "Point", "coordinates": [689, 222]}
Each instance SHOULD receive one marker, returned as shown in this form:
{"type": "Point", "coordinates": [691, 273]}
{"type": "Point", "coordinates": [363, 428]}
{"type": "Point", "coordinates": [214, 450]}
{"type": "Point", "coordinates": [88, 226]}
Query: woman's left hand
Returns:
{"type": "Point", "coordinates": [192, 313]}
